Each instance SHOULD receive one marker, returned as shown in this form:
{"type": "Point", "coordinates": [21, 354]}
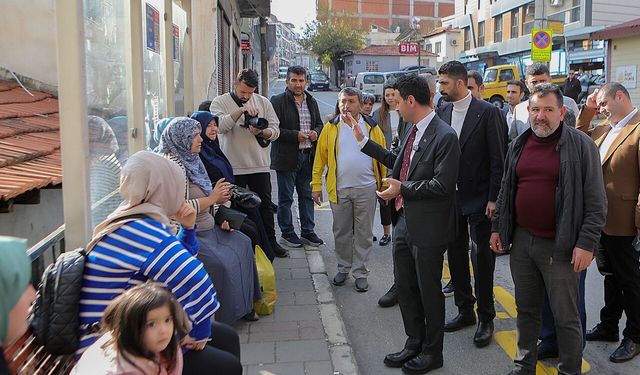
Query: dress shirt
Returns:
{"type": "Point", "coordinates": [305, 120]}
{"type": "Point", "coordinates": [616, 129]}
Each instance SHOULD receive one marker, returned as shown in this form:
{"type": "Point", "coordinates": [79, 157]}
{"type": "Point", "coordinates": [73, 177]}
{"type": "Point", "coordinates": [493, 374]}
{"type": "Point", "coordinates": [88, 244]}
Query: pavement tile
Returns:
{"type": "Point", "coordinates": [244, 338]}
{"type": "Point", "coordinates": [303, 350]}
{"type": "Point", "coordinates": [290, 368]}
{"type": "Point", "coordinates": [305, 298]}
{"type": "Point", "coordinates": [318, 368]}
{"type": "Point", "coordinates": [300, 273]}
{"type": "Point", "coordinates": [286, 298]}
{"type": "Point", "coordinates": [283, 274]}
{"type": "Point", "coordinates": [297, 312]}
{"type": "Point", "coordinates": [294, 285]}
{"type": "Point", "coordinates": [297, 254]}
{"type": "Point", "coordinates": [273, 326]}
{"type": "Point", "coordinates": [257, 353]}
{"type": "Point", "coordinates": [277, 336]}
{"type": "Point", "coordinates": [282, 263]}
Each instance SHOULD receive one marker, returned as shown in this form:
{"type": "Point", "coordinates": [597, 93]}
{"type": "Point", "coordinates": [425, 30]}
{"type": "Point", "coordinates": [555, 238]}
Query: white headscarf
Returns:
{"type": "Point", "coordinates": [150, 184]}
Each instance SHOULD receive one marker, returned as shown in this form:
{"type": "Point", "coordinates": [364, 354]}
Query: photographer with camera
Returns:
{"type": "Point", "coordinates": [247, 124]}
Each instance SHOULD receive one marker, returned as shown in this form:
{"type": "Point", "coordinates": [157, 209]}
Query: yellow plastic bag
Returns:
{"type": "Point", "coordinates": [267, 276]}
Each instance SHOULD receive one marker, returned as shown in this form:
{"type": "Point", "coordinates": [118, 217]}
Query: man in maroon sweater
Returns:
{"type": "Point", "coordinates": [550, 209]}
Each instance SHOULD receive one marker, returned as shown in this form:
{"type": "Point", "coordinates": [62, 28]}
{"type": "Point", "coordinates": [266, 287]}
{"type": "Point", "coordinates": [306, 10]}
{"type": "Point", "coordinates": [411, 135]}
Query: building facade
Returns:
{"type": "Point", "coordinates": [382, 59]}
{"type": "Point", "coordinates": [499, 31]}
{"type": "Point", "coordinates": [390, 14]}
{"type": "Point", "coordinates": [445, 42]}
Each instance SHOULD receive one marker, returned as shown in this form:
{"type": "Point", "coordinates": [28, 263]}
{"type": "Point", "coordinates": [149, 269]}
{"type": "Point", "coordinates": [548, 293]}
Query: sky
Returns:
{"type": "Point", "coordinates": [304, 11]}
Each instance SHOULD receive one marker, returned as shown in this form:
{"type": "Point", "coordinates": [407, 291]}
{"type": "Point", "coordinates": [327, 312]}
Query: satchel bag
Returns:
{"type": "Point", "coordinates": [245, 198]}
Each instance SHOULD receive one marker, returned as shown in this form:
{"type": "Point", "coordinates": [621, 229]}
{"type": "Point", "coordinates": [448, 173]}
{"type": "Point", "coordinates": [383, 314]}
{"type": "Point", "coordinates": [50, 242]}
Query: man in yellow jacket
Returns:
{"type": "Point", "coordinates": [352, 179]}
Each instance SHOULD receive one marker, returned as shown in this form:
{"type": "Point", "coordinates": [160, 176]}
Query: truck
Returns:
{"type": "Point", "coordinates": [496, 78]}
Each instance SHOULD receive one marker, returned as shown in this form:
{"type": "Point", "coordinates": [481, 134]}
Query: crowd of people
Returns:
{"type": "Point", "coordinates": [173, 265]}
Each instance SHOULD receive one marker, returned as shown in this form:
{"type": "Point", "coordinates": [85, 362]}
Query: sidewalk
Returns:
{"type": "Point", "coordinates": [305, 334]}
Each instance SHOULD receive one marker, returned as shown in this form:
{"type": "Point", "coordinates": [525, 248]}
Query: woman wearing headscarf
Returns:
{"type": "Point", "coordinates": [217, 166]}
{"type": "Point", "coordinates": [17, 294]}
{"type": "Point", "coordinates": [227, 255]}
{"type": "Point", "coordinates": [124, 254]}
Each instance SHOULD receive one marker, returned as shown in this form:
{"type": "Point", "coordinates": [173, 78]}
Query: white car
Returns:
{"type": "Point", "coordinates": [371, 82]}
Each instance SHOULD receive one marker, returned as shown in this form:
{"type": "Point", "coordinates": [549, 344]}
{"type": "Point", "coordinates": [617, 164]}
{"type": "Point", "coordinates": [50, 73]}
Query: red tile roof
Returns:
{"type": "Point", "coordinates": [29, 141]}
{"type": "Point", "coordinates": [621, 30]}
{"type": "Point", "coordinates": [380, 50]}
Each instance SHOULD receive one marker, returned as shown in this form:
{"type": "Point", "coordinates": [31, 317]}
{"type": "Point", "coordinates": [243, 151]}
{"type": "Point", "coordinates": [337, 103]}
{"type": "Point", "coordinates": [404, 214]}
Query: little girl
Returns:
{"type": "Point", "coordinates": [142, 331]}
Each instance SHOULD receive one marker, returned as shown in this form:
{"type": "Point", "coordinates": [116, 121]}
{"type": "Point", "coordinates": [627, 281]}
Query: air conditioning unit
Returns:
{"type": "Point", "coordinates": [556, 3]}
{"type": "Point", "coordinates": [453, 42]}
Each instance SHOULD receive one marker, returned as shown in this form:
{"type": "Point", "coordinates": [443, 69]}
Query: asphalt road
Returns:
{"type": "Point", "coordinates": [374, 331]}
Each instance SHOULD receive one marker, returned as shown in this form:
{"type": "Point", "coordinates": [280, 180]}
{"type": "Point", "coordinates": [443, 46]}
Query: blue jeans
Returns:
{"type": "Point", "coordinates": [300, 179]}
{"type": "Point", "coordinates": [548, 328]}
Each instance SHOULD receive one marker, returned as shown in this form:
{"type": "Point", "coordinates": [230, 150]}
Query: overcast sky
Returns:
{"type": "Point", "coordinates": [297, 12]}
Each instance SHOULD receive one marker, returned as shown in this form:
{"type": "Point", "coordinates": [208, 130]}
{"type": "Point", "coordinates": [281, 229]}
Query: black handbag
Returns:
{"type": "Point", "coordinates": [245, 198]}
{"type": "Point", "coordinates": [235, 218]}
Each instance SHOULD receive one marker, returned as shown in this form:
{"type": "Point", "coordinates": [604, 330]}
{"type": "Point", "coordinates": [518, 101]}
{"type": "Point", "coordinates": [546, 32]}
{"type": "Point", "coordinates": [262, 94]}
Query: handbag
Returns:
{"type": "Point", "coordinates": [245, 198]}
{"type": "Point", "coordinates": [235, 218]}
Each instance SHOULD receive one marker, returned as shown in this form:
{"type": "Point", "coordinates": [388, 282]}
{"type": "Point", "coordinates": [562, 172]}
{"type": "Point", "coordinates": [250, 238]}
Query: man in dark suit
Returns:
{"type": "Point", "coordinates": [423, 185]}
{"type": "Point", "coordinates": [482, 133]}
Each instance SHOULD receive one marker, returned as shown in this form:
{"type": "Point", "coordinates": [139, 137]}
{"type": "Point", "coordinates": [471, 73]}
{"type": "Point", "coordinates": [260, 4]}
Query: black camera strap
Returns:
{"type": "Point", "coordinates": [264, 143]}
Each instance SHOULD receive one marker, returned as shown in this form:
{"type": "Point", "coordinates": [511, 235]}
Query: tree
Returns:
{"type": "Point", "coordinates": [332, 34]}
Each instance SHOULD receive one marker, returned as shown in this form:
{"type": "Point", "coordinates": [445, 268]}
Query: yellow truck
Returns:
{"type": "Point", "coordinates": [495, 82]}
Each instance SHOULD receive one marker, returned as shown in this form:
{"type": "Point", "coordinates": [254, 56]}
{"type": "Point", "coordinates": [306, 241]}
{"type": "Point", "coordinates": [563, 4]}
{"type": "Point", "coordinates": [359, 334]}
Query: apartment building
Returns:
{"type": "Point", "coordinates": [390, 14]}
{"type": "Point", "coordinates": [499, 31]}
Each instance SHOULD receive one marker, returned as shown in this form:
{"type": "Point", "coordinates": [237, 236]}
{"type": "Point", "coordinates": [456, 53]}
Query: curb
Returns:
{"type": "Point", "coordinates": [342, 358]}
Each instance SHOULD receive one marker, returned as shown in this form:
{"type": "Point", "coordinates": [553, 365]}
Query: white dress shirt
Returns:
{"type": "Point", "coordinates": [611, 136]}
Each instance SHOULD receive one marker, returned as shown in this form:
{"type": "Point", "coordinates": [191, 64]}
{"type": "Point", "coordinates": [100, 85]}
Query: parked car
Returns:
{"type": "Point", "coordinates": [496, 78]}
{"type": "Point", "coordinates": [390, 77]}
{"type": "Point", "coordinates": [318, 81]}
{"type": "Point", "coordinates": [423, 69]}
{"type": "Point", "coordinates": [371, 82]}
{"type": "Point", "coordinates": [282, 72]}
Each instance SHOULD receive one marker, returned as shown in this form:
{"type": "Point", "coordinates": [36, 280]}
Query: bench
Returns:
{"type": "Point", "coordinates": [26, 357]}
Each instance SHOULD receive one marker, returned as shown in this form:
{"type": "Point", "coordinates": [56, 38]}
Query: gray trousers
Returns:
{"type": "Point", "coordinates": [353, 228]}
{"type": "Point", "coordinates": [534, 272]}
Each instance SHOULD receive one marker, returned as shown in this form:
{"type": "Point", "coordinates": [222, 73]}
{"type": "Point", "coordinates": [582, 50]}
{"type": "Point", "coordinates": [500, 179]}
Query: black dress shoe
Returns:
{"type": "Point", "coordinates": [384, 240]}
{"type": "Point", "coordinates": [390, 298]}
{"type": "Point", "coordinates": [279, 251]}
{"type": "Point", "coordinates": [625, 352]}
{"type": "Point", "coordinates": [483, 335]}
{"type": "Point", "coordinates": [600, 333]}
{"type": "Point", "coordinates": [398, 359]}
{"type": "Point", "coordinates": [546, 351]}
{"type": "Point", "coordinates": [459, 322]}
{"type": "Point", "coordinates": [422, 364]}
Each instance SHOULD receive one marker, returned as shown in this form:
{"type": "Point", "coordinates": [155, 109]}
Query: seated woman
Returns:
{"type": "Point", "coordinates": [227, 255]}
{"type": "Point", "coordinates": [128, 253]}
{"type": "Point", "coordinates": [218, 166]}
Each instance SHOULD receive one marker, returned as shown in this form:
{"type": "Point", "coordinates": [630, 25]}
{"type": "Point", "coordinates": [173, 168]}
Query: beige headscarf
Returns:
{"type": "Point", "coordinates": [150, 184]}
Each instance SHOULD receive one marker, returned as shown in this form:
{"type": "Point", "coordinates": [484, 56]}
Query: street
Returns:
{"type": "Point", "coordinates": [375, 332]}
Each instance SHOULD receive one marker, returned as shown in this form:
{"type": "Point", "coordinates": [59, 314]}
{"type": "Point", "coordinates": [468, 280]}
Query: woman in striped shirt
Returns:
{"type": "Point", "coordinates": [126, 252]}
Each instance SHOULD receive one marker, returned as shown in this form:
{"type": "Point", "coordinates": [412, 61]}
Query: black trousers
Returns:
{"type": "Point", "coordinates": [260, 183]}
{"type": "Point", "coordinates": [221, 355]}
{"type": "Point", "coordinates": [483, 260]}
{"type": "Point", "coordinates": [417, 272]}
{"type": "Point", "coordinates": [385, 211]}
{"type": "Point", "coordinates": [622, 289]}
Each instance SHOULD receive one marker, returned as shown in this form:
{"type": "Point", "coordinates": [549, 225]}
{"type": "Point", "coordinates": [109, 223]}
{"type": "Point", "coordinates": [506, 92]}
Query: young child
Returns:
{"type": "Point", "coordinates": [142, 329]}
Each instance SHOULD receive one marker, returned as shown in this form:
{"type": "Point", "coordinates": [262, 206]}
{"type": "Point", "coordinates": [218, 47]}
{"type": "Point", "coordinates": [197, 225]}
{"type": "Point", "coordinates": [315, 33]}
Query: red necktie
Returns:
{"type": "Point", "coordinates": [406, 159]}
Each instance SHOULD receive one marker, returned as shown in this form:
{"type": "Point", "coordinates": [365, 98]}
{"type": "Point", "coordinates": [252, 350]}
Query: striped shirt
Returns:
{"type": "Point", "coordinates": [144, 250]}
{"type": "Point", "coordinates": [305, 120]}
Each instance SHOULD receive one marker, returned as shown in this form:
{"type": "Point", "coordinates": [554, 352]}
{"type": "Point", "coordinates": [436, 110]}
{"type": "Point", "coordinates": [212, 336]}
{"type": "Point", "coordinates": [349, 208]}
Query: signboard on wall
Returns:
{"type": "Point", "coordinates": [408, 48]}
{"type": "Point", "coordinates": [541, 44]}
{"type": "Point", "coordinates": [152, 28]}
{"type": "Point", "coordinates": [626, 75]}
{"type": "Point", "coordinates": [245, 45]}
{"type": "Point", "coordinates": [176, 42]}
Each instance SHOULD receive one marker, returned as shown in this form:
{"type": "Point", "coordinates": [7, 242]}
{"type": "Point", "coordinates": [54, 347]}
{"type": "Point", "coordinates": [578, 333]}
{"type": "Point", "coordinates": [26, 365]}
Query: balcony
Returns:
{"type": "Point", "coordinates": [254, 8]}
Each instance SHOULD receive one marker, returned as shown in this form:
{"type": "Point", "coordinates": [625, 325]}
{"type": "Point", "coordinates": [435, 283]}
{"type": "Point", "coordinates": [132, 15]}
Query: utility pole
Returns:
{"type": "Point", "coordinates": [264, 63]}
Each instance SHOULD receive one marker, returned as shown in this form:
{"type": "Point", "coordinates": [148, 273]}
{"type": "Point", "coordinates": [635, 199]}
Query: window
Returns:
{"type": "Point", "coordinates": [529, 17]}
{"type": "Point", "coordinates": [481, 34]}
{"type": "Point", "coordinates": [490, 75]}
{"type": "Point", "coordinates": [373, 78]}
{"type": "Point", "coordinates": [497, 29]}
{"type": "Point", "coordinates": [515, 23]}
{"type": "Point", "coordinates": [467, 38]}
{"type": "Point", "coordinates": [371, 66]}
{"type": "Point", "coordinates": [506, 75]}
{"type": "Point", "coordinates": [438, 48]}
{"type": "Point", "coordinates": [429, 47]}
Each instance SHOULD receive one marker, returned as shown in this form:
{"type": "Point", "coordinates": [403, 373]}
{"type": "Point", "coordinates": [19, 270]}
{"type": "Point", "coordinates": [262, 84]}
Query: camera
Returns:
{"type": "Point", "coordinates": [255, 121]}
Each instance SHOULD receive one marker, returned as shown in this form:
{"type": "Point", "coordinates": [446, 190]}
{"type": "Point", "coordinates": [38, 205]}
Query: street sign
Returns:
{"type": "Point", "coordinates": [557, 27]}
{"type": "Point", "coordinates": [409, 48]}
{"type": "Point", "coordinates": [541, 44]}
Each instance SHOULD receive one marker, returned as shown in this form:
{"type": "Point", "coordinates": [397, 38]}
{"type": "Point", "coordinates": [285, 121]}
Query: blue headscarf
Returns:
{"type": "Point", "coordinates": [177, 139]}
{"type": "Point", "coordinates": [211, 152]}
{"type": "Point", "coordinates": [159, 128]}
